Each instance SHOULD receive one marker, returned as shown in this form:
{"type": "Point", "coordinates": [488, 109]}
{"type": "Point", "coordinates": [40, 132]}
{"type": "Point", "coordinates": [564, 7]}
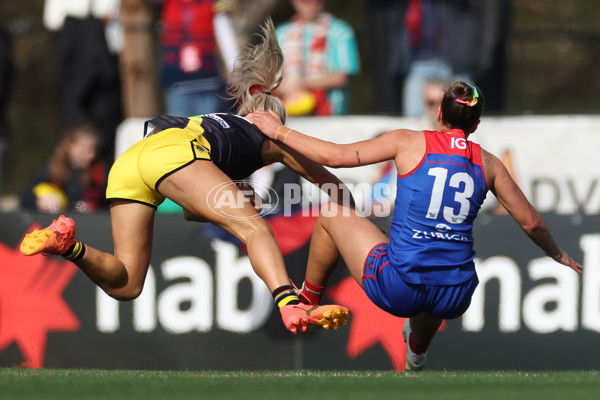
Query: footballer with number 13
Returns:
{"type": "Point", "coordinates": [424, 271]}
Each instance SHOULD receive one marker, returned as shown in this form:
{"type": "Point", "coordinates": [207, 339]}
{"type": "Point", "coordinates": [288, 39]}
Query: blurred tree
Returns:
{"type": "Point", "coordinates": [138, 67]}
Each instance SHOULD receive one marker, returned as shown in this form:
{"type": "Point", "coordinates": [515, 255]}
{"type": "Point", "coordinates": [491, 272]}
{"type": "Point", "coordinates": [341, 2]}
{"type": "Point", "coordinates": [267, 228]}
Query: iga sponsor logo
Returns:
{"type": "Point", "coordinates": [459, 143]}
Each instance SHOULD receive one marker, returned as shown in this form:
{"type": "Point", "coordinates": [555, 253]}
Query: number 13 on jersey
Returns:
{"type": "Point", "coordinates": [463, 186]}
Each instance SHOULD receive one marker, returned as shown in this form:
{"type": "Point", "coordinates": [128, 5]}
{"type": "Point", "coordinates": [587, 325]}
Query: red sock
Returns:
{"type": "Point", "coordinates": [414, 347]}
{"type": "Point", "coordinates": [311, 294]}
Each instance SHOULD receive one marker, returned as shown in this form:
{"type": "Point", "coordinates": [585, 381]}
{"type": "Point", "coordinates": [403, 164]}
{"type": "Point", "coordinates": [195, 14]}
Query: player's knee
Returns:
{"type": "Point", "coordinates": [188, 215]}
{"type": "Point", "coordinates": [254, 228]}
{"type": "Point", "coordinates": [332, 210]}
{"type": "Point", "coordinates": [125, 294]}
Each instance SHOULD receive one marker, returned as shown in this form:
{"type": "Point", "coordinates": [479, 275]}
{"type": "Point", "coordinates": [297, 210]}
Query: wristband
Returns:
{"type": "Point", "coordinates": [277, 131]}
{"type": "Point", "coordinates": [285, 137]}
{"type": "Point", "coordinates": [556, 257]}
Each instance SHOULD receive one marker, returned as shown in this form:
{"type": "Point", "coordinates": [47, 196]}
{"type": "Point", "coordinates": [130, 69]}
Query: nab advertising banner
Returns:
{"type": "Point", "coordinates": [203, 307]}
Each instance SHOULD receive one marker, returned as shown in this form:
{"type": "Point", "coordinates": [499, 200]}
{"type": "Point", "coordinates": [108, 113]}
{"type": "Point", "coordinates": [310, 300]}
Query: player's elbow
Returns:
{"type": "Point", "coordinates": [334, 158]}
{"type": "Point", "coordinates": [332, 162]}
{"type": "Point", "coordinates": [534, 226]}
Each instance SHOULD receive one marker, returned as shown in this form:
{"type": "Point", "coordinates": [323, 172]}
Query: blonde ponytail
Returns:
{"type": "Point", "coordinates": [258, 72]}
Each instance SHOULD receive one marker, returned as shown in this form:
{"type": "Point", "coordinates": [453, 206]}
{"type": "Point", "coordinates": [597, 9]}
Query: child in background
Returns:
{"type": "Point", "coordinates": [74, 178]}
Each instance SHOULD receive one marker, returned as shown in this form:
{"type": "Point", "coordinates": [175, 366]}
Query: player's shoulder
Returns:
{"type": "Point", "coordinates": [492, 165]}
{"type": "Point", "coordinates": [489, 158]}
{"type": "Point", "coordinates": [407, 134]}
{"type": "Point", "coordinates": [404, 140]}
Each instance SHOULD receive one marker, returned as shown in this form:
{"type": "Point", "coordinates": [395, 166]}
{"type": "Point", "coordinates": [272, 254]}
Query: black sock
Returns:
{"type": "Point", "coordinates": [285, 295]}
{"type": "Point", "coordinates": [75, 252]}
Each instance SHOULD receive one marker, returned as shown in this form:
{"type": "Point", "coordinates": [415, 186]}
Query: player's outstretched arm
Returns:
{"type": "Point", "coordinates": [335, 155]}
{"type": "Point", "coordinates": [313, 172]}
{"type": "Point", "coordinates": [514, 201]}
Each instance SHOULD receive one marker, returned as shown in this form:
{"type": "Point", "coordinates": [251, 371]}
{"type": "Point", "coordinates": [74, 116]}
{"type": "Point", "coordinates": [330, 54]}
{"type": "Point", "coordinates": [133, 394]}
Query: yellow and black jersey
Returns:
{"type": "Point", "coordinates": [231, 142]}
{"type": "Point", "coordinates": [235, 144]}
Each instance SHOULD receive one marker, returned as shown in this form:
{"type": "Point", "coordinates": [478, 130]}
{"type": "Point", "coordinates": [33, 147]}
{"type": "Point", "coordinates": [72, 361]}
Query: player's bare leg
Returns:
{"type": "Point", "coordinates": [242, 221]}
{"type": "Point", "coordinates": [418, 332]}
{"type": "Point", "coordinates": [424, 328]}
{"type": "Point", "coordinates": [120, 275]}
{"type": "Point", "coordinates": [338, 231]}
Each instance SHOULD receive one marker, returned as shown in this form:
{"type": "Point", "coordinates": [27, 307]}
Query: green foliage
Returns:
{"type": "Point", "coordinates": [33, 111]}
{"type": "Point", "coordinates": [554, 48]}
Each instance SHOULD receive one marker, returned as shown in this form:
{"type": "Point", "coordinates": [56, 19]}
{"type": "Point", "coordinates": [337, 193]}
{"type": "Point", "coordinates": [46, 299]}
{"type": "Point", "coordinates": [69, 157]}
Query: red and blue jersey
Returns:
{"type": "Point", "coordinates": [431, 238]}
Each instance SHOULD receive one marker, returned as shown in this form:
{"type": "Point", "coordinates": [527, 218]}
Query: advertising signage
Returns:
{"type": "Point", "coordinates": [202, 306]}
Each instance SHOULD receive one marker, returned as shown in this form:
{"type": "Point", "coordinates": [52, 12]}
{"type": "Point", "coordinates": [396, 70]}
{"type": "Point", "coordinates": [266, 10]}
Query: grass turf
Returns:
{"type": "Point", "coordinates": [347, 385]}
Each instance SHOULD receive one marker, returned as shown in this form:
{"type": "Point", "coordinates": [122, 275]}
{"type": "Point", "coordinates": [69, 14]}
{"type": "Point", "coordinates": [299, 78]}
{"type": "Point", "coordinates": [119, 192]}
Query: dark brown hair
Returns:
{"type": "Point", "coordinates": [462, 106]}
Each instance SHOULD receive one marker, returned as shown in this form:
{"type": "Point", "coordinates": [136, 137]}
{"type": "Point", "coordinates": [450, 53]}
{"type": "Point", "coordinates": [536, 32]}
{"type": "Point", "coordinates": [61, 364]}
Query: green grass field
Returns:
{"type": "Point", "coordinates": [131, 385]}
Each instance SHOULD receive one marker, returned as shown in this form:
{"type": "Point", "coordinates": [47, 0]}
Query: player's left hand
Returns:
{"type": "Point", "coordinates": [565, 259]}
{"type": "Point", "coordinates": [267, 121]}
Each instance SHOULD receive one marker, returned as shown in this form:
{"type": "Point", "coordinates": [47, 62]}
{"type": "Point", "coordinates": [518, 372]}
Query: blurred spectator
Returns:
{"type": "Point", "coordinates": [6, 76]}
{"type": "Point", "coordinates": [89, 38]}
{"type": "Point", "coordinates": [198, 52]}
{"type": "Point", "coordinates": [74, 178]}
{"type": "Point", "coordinates": [426, 27]}
{"type": "Point", "coordinates": [492, 77]}
{"type": "Point", "coordinates": [433, 93]}
{"type": "Point", "coordinates": [389, 48]}
{"type": "Point", "coordinates": [419, 39]}
{"type": "Point", "coordinates": [246, 16]}
{"type": "Point", "coordinates": [320, 55]}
